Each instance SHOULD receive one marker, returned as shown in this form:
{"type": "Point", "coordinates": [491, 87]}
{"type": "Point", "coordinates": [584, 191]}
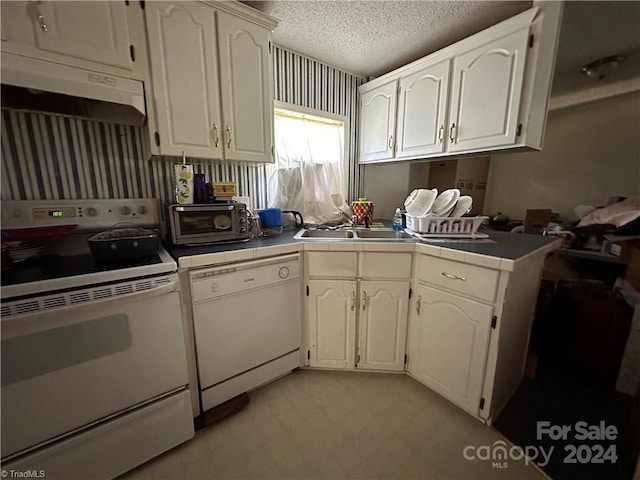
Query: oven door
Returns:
{"type": "Point", "coordinates": [203, 223]}
{"type": "Point", "coordinates": [64, 368]}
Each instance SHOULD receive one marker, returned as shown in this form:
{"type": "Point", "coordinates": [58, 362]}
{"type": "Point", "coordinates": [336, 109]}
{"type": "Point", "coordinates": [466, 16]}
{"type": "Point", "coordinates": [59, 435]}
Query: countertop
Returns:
{"type": "Point", "coordinates": [511, 246]}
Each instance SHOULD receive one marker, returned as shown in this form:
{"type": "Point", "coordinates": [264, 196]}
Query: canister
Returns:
{"type": "Point", "coordinates": [362, 209]}
{"type": "Point", "coordinates": [183, 181]}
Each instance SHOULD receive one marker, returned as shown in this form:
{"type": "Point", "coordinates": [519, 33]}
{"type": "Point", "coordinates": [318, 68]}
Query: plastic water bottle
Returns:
{"type": "Point", "coordinates": [397, 220]}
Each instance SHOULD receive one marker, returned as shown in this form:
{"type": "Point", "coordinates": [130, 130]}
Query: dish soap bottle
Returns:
{"type": "Point", "coordinates": [397, 220]}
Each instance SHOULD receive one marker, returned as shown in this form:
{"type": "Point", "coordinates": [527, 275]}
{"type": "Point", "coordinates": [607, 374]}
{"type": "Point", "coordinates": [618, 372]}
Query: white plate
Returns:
{"type": "Point", "coordinates": [419, 202]}
{"type": "Point", "coordinates": [445, 201]}
{"type": "Point", "coordinates": [463, 206]}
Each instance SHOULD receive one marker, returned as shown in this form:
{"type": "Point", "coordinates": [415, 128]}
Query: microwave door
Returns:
{"type": "Point", "coordinates": [204, 224]}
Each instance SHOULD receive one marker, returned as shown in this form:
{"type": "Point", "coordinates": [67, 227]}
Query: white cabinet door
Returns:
{"type": "Point", "coordinates": [449, 343]}
{"type": "Point", "coordinates": [182, 48]}
{"type": "Point", "coordinates": [382, 324]}
{"type": "Point", "coordinates": [331, 314]}
{"type": "Point", "coordinates": [486, 91]}
{"type": "Point", "coordinates": [377, 123]}
{"type": "Point", "coordinates": [95, 31]}
{"type": "Point", "coordinates": [245, 80]}
{"type": "Point", "coordinates": [422, 110]}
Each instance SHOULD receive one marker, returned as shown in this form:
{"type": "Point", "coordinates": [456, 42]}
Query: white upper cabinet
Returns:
{"type": "Point", "coordinates": [94, 31]}
{"type": "Point", "coordinates": [377, 123]}
{"type": "Point", "coordinates": [182, 49]}
{"type": "Point", "coordinates": [86, 34]}
{"type": "Point", "coordinates": [487, 92]}
{"type": "Point", "coordinates": [211, 80]}
{"type": "Point", "coordinates": [247, 100]}
{"type": "Point", "coordinates": [422, 111]}
{"type": "Point", "coordinates": [487, 86]}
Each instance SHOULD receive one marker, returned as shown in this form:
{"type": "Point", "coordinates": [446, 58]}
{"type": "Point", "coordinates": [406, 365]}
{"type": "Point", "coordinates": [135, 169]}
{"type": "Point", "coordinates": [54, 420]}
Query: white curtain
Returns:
{"type": "Point", "coordinates": [308, 172]}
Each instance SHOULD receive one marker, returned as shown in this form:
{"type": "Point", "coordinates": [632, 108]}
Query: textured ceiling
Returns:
{"type": "Point", "coordinates": [370, 38]}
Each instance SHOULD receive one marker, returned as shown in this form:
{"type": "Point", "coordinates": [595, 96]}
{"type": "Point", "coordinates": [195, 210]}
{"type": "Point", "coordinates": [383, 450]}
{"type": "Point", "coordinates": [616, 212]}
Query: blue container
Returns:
{"type": "Point", "coordinates": [270, 217]}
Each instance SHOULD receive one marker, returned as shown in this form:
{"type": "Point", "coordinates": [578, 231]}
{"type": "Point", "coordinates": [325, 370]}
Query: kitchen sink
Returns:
{"type": "Point", "coordinates": [374, 234]}
{"type": "Point", "coordinates": [383, 234]}
{"type": "Point", "coordinates": [324, 234]}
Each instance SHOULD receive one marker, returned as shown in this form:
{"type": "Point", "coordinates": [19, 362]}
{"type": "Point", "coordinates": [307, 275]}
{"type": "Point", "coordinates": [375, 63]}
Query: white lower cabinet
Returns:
{"type": "Point", "coordinates": [352, 321]}
{"type": "Point", "coordinates": [465, 326]}
{"type": "Point", "coordinates": [449, 339]}
{"type": "Point", "coordinates": [357, 323]}
{"type": "Point", "coordinates": [382, 325]}
{"type": "Point", "coordinates": [331, 315]}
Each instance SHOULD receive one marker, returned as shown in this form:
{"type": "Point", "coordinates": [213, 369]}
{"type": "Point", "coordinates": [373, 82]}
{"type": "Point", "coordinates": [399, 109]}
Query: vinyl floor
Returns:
{"type": "Point", "coordinates": [340, 425]}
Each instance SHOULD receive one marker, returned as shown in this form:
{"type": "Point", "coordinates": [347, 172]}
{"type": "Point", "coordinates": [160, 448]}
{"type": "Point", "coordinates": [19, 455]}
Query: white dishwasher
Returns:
{"type": "Point", "coordinates": [247, 321]}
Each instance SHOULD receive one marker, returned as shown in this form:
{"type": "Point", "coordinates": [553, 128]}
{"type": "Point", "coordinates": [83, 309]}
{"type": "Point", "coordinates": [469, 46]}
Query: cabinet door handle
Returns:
{"type": "Point", "coordinates": [453, 276]}
{"type": "Point", "coordinates": [43, 24]}
{"type": "Point", "coordinates": [391, 142]}
{"type": "Point", "coordinates": [227, 132]}
{"type": "Point", "coordinates": [441, 133]}
{"type": "Point", "coordinates": [418, 304]}
{"type": "Point", "coordinates": [353, 301]}
{"type": "Point", "coordinates": [364, 301]}
{"type": "Point", "coordinates": [452, 132]}
{"type": "Point", "coordinates": [214, 135]}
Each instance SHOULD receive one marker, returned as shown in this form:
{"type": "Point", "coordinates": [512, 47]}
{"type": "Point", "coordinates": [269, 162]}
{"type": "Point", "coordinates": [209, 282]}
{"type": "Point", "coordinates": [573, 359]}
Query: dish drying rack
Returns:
{"type": "Point", "coordinates": [445, 227]}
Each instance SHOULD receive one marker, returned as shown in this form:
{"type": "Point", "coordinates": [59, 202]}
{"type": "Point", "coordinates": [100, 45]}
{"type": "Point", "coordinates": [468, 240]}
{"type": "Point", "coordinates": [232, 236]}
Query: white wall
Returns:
{"type": "Point", "coordinates": [590, 152]}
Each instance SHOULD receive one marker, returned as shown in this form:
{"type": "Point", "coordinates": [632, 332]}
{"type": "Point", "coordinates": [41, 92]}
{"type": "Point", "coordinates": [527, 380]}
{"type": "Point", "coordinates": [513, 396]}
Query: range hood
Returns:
{"type": "Point", "coordinates": [37, 85]}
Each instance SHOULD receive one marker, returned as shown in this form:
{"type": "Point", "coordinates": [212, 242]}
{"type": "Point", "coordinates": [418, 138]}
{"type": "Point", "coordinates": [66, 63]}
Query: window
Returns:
{"type": "Point", "coordinates": [308, 173]}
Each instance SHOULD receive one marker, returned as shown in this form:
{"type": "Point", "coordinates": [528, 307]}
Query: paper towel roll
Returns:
{"type": "Point", "coordinates": [183, 177]}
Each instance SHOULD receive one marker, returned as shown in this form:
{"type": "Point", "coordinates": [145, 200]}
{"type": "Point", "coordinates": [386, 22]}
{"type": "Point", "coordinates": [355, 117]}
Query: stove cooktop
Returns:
{"type": "Point", "coordinates": [48, 267]}
{"type": "Point", "coordinates": [73, 266]}
{"type": "Point", "coordinates": [51, 273]}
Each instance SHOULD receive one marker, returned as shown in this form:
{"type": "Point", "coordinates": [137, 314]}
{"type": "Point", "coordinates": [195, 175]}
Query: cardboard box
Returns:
{"type": "Point", "coordinates": [622, 246]}
{"type": "Point", "coordinates": [469, 175]}
{"type": "Point", "coordinates": [536, 221]}
{"type": "Point", "coordinates": [633, 270]}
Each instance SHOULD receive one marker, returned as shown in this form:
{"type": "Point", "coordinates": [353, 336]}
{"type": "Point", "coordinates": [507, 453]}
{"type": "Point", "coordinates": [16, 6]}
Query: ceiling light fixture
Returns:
{"type": "Point", "coordinates": [600, 68]}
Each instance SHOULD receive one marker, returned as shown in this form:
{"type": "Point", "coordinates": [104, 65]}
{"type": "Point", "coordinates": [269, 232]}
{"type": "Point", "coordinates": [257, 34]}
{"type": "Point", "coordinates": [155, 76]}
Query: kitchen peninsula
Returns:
{"type": "Point", "coordinates": [458, 314]}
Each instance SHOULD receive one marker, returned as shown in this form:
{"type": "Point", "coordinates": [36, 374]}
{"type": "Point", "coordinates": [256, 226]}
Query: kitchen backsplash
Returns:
{"type": "Point", "coordinates": [54, 157]}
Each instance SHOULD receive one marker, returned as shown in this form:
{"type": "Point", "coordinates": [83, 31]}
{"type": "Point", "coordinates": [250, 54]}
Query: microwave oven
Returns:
{"type": "Point", "coordinates": [207, 223]}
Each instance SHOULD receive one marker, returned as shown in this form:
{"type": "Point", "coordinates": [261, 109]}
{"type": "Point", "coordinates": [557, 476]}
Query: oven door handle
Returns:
{"type": "Point", "coordinates": [32, 322]}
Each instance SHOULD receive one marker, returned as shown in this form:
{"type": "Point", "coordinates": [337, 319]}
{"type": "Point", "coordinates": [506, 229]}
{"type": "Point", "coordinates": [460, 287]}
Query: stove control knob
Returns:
{"type": "Point", "coordinates": [92, 212]}
{"type": "Point", "coordinates": [142, 210]}
{"type": "Point", "coordinates": [125, 210]}
{"type": "Point", "coordinates": [242, 220]}
{"type": "Point", "coordinates": [243, 230]}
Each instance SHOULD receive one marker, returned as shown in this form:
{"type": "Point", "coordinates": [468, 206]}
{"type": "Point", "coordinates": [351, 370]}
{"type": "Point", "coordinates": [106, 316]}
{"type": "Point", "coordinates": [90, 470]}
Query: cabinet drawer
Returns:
{"type": "Point", "coordinates": [332, 264]}
{"type": "Point", "coordinates": [385, 265]}
{"type": "Point", "coordinates": [471, 280]}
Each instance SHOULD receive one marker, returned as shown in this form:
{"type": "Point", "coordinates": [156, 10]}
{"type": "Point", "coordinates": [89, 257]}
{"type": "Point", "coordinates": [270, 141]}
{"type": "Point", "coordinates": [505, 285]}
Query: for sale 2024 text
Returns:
{"type": "Point", "coordinates": [582, 431]}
